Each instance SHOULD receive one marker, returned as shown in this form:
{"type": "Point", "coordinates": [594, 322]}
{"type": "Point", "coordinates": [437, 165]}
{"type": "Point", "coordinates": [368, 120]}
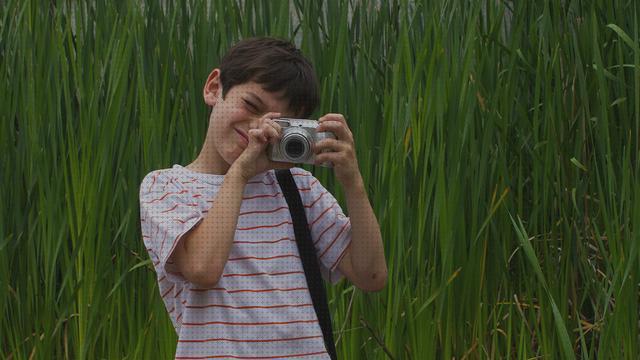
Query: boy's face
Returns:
{"type": "Point", "coordinates": [240, 110]}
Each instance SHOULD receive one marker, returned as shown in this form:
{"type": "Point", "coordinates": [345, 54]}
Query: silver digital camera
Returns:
{"type": "Point", "coordinates": [296, 143]}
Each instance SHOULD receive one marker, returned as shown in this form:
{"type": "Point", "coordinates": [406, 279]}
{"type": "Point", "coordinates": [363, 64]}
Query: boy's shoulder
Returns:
{"type": "Point", "coordinates": [172, 178]}
{"type": "Point", "coordinates": [300, 175]}
{"type": "Point", "coordinates": [303, 178]}
{"type": "Point", "coordinates": [299, 172]}
{"type": "Point", "coordinates": [153, 178]}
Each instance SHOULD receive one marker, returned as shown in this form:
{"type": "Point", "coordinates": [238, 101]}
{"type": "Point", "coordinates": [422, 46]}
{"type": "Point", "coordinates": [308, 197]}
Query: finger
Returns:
{"type": "Point", "coordinates": [270, 132]}
{"type": "Point", "coordinates": [270, 116]}
{"type": "Point", "coordinates": [341, 158]}
{"type": "Point", "coordinates": [332, 157]}
{"type": "Point", "coordinates": [257, 136]}
{"type": "Point", "coordinates": [268, 120]}
{"type": "Point", "coordinates": [330, 145]}
{"type": "Point", "coordinates": [334, 117]}
{"type": "Point", "coordinates": [274, 125]}
{"type": "Point", "coordinates": [339, 129]}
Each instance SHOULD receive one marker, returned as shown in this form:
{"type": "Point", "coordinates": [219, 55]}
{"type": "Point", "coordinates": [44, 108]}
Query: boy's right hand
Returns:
{"type": "Point", "coordinates": [253, 159]}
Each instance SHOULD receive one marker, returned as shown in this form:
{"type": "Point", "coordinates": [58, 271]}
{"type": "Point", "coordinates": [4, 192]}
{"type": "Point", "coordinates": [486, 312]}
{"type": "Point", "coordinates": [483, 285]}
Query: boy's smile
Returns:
{"type": "Point", "coordinates": [244, 137]}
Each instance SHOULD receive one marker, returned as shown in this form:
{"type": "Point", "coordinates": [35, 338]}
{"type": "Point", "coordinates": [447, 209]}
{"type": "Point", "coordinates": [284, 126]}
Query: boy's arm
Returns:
{"type": "Point", "coordinates": [203, 252]}
{"type": "Point", "coordinates": [363, 262]}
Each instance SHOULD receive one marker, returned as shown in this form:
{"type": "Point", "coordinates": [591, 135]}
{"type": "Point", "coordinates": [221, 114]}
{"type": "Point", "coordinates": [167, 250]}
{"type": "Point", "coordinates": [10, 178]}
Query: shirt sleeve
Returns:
{"type": "Point", "coordinates": [330, 228]}
{"type": "Point", "coordinates": [167, 212]}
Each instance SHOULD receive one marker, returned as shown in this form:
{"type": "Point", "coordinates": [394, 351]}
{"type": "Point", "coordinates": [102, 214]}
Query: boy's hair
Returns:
{"type": "Point", "coordinates": [276, 65]}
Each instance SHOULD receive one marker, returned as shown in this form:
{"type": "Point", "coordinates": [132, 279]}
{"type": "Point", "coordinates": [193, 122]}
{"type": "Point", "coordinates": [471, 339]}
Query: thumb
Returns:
{"type": "Point", "coordinates": [256, 140]}
{"type": "Point", "coordinates": [256, 135]}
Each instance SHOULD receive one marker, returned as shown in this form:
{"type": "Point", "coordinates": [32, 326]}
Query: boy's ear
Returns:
{"type": "Point", "coordinates": [212, 88]}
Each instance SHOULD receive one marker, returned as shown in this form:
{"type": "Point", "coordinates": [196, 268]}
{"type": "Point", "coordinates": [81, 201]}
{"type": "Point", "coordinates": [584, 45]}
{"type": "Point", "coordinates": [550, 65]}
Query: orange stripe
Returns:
{"type": "Point", "coordinates": [263, 258]}
{"type": "Point", "coordinates": [180, 221]}
{"type": "Point", "coordinates": [270, 274]}
{"type": "Point", "coordinates": [308, 188]}
{"type": "Point", "coordinates": [261, 196]}
{"type": "Point", "coordinates": [316, 200]}
{"type": "Point", "coordinates": [247, 307]}
{"type": "Point", "coordinates": [245, 357]}
{"type": "Point", "coordinates": [263, 211]}
{"type": "Point", "coordinates": [340, 257]}
{"type": "Point", "coordinates": [248, 290]}
{"type": "Point", "coordinates": [167, 183]}
{"type": "Point", "coordinates": [325, 230]}
{"type": "Point", "coordinates": [324, 212]}
{"type": "Point", "coordinates": [264, 242]}
{"type": "Point", "coordinates": [252, 340]}
{"type": "Point", "coordinates": [264, 226]}
{"type": "Point", "coordinates": [334, 239]}
{"type": "Point", "coordinates": [175, 206]}
{"type": "Point", "coordinates": [194, 180]}
{"type": "Point", "coordinates": [164, 196]}
{"type": "Point", "coordinates": [152, 183]}
{"type": "Point", "coordinates": [168, 291]}
{"type": "Point", "coordinates": [261, 182]}
{"type": "Point", "coordinates": [165, 238]}
{"type": "Point", "coordinates": [249, 323]}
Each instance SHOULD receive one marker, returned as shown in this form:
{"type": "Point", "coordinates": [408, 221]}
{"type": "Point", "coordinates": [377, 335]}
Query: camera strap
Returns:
{"type": "Point", "coordinates": [308, 257]}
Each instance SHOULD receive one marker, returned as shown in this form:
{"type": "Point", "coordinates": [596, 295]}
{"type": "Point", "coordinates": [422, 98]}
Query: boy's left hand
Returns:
{"type": "Point", "coordinates": [341, 151]}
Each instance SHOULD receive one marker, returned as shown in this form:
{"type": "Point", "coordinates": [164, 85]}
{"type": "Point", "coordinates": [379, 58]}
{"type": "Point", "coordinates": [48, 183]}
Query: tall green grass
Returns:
{"type": "Point", "coordinates": [498, 141]}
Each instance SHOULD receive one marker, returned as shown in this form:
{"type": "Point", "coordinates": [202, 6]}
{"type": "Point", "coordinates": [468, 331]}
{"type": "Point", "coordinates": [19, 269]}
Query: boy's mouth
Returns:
{"type": "Point", "coordinates": [244, 136]}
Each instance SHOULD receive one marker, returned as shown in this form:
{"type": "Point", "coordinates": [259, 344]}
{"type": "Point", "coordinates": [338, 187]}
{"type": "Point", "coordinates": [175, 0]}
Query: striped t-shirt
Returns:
{"type": "Point", "coordinates": [261, 307]}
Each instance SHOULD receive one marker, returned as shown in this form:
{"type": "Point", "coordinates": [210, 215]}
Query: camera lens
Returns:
{"type": "Point", "coordinates": [295, 145]}
{"type": "Point", "coordinates": [294, 148]}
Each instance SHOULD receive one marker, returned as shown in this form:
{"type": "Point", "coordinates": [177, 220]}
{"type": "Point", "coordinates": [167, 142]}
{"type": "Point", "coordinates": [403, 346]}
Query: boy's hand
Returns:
{"type": "Point", "coordinates": [253, 159]}
{"type": "Point", "coordinates": [341, 151]}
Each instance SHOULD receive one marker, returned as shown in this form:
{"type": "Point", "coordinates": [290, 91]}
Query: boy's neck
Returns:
{"type": "Point", "coordinates": [209, 161]}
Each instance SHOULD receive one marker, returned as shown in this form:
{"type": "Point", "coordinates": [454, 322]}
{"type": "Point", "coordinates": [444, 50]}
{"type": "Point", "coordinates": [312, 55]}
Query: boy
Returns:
{"type": "Point", "coordinates": [219, 230]}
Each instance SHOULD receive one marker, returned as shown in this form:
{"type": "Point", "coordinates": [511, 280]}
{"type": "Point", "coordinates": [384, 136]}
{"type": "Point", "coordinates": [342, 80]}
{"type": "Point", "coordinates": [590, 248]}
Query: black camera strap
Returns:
{"type": "Point", "coordinates": [308, 257]}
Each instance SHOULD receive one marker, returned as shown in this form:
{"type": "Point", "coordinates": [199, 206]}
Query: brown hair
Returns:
{"type": "Point", "coordinates": [275, 64]}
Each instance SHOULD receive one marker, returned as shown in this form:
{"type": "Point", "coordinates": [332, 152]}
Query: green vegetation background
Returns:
{"type": "Point", "coordinates": [498, 141]}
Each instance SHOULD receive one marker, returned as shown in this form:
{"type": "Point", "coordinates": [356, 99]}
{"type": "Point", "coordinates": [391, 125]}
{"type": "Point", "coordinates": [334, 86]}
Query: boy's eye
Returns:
{"type": "Point", "coordinates": [251, 106]}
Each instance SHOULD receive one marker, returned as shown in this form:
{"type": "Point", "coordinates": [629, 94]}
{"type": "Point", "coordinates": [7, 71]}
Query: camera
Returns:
{"type": "Point", "coordinates": [296, 143]}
